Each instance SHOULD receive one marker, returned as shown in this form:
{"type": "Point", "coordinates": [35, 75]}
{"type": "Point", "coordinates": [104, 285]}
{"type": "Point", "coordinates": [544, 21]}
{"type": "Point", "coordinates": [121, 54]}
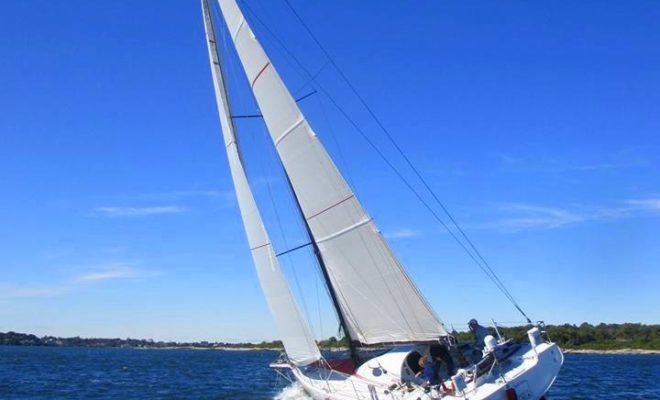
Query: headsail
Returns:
{"type": "Point", "coordinates": [293, 329]}
{"type": "Point", "coordinates": [377, 299]}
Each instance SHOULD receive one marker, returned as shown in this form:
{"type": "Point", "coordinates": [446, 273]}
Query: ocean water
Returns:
{"type": "Point", "coordinates": [51, 373]}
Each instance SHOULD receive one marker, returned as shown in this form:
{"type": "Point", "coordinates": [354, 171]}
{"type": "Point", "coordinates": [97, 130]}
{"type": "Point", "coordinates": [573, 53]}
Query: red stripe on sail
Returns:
{"type": "Point", "coordinates": [332, 206]}
{"type": "Point", "coordinates": [259, 74]}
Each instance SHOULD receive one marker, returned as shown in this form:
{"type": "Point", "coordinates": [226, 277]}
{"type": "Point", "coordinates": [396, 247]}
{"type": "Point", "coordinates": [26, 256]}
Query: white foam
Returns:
{"type": "Point", "coordinates": [292, 392]}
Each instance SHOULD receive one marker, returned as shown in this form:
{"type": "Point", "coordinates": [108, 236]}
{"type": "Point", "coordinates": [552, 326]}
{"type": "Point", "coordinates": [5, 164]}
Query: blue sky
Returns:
{"type": "Point", "coordinates": [537, 124]}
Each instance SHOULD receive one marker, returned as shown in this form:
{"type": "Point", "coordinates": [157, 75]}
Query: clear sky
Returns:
{"type": "Point", "coordinates": [537, 124]}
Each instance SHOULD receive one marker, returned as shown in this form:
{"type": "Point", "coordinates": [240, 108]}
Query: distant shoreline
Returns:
{"type": "Point", "coordinates": [621, 352]}
{"type": "Point", "coordinates": [625, 352]}
{"type": "Point", "coordinates": [630, 352]}
{"type": "Point", "coordinates": [615, 339]}
{"type": "Point", "coordinates": [218, 348]}
{"type": "Point", "coordinates": [24, 339]}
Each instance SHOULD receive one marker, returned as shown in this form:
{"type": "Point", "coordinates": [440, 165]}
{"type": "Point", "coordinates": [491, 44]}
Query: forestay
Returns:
{"type": "Point", "coordinates": [378, 301]}
{"type": "Point", "coordinates": [293, 328]}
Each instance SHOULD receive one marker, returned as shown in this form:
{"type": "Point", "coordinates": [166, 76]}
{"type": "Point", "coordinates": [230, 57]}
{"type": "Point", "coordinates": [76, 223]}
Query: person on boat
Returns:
{"type": "Point", "coordinates": [440, 352]}
{"type": "Point", "coordinates": [430, 373]}
{"type": "Point", "coordinates": [479, 333]}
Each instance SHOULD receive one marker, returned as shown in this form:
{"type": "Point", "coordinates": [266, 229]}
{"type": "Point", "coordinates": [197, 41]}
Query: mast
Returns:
{"type": "Point", "coordinates": [215, 60]}
{"type": "Point", "coordinates": [293, 329]}
{"type": "Point", "coordinates": [317, 251]}
{"type": "Point", "coordinates": [326, 277]}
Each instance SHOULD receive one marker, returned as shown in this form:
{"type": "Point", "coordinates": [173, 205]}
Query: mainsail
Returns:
{"type": "Point", "coordinates": [377, 300]}
{"type": "Point", "coordinates": [293, 328]}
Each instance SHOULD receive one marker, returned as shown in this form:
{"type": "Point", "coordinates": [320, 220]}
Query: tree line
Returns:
{"type": "Point", "coordinates": [584, 336]}
{"type": "Point", "coordinates": [568, 336]}
{"type": "Point", "coordinates": [591, 337]}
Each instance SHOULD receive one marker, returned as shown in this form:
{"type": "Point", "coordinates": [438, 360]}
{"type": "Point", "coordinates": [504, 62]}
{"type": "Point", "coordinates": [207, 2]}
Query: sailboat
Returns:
{"type": "Point", "coordinates": [376, 301]}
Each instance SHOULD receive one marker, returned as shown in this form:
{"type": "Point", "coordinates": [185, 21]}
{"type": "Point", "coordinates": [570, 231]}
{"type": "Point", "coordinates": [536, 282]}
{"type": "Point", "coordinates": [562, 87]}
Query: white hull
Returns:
{"type": "Point", "coordinates": [344, 237]}
{"type": "Point", "coordinates": [529, 371]}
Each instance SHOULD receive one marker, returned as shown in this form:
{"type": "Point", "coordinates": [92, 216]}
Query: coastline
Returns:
{"type": "Point", "coordinates": [623, 352]}
{"type": "Point", "coordinates": [628, 352]}
{"type": "Point", "coordinates": [612, 339]}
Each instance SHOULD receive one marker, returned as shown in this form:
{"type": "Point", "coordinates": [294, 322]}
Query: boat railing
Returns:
{"type": "Point", "coordinates": [332, 371]}
{"type": "Point", "coordinates": [544, 332]}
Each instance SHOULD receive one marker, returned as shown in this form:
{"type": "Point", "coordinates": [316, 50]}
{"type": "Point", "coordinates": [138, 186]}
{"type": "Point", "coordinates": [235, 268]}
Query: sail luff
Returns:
{"type": "Point", "coordinates": [377, 297]}
{"type": "Point", "coordinates": [294, 331]}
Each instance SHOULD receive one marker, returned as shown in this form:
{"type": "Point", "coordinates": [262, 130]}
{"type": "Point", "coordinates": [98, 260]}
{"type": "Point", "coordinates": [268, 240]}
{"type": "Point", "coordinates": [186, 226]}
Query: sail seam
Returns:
{"type": "Point", "coordinates": [259, 74]}
{"type": "Point", "coordinates": [258, 247]}
{"type": "Point", "coordinates": [329, 208]}
{"type": "Point", "coordinates": [230, 143]}
{"type": "Point", "coordinates": [345, 230]}
{"type": "Point", "coordinates": [238, 29]}
{"type": "Point", "coordinates": [289, 130]}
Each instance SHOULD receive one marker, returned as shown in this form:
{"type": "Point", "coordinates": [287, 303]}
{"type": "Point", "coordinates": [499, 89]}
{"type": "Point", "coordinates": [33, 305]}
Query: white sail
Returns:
{"type": "Point", "coordinates": [293, 328]}
{"type": "Point", "coordinates": [379, 302]}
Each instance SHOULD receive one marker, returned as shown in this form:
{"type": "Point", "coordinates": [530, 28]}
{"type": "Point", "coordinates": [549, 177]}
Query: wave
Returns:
{"type": "Point", "coordinates": [292, 392]}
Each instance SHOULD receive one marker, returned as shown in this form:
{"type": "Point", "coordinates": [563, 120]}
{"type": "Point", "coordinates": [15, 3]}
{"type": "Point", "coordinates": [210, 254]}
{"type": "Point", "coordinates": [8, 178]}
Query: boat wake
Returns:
{"type": "Point", "coordinates": [292, 392]}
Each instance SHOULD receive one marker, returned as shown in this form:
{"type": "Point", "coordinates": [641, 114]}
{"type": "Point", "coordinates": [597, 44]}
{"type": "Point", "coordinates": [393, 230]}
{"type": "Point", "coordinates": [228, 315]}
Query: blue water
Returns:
{"type": "Point", "coordinates": [90, 374]}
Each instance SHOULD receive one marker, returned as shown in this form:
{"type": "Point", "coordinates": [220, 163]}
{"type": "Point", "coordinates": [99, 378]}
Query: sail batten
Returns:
{"type": "Point", "coordinates": [293, 329]}
{"type": "Point", "coordinates": [377, 298]}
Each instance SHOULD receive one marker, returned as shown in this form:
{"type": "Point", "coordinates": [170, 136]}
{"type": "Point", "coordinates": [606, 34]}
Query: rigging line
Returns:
{"type": "Point", "coordinates": [410, 187]}
{"type": "Point", "coordinates": [248, 116]}
{"type": "Point", "coordinates": [320, 277]}
{"type": "Point", "coordinates": [303, 75]}
{"type": "Point", "coordinates": [382, 155]}
{"type": "Point", "coordinates": [318, 307]}
{"type": "Point", "coordinates": [366, 138]}
{"type": "Point", "coordinates": [299, 224]}
{"type": "Point", "coordinates": [293, 249]}
{"type": "Point", "coordinates": [311, 78]}
{"type": "Point", "coordinates": [281, 229]}
{"type": "Point", "coordinates": [296, 66]}
{"type": "Point", "coordinates": [291, 263]}
{"type": "Point", "coordinates": [402, 153]}
{"type": "Point", "coordinates": [284, 238]}
{"type": "Point", "coordinates": [299, 99]}
{"type": "Point", "coordinates": [324, 269]}
{"type": "Point", "coordinates": [218, 74]}
{"type": "Point", "coordinates": [333, 136]}
{"type": "Point", "coordinates": [249, 99]}
{"type": "Point", "coordinates": [233, 73]}
{"type": "Point", "coordinates": [233, 69]}
{"type": "Point", "coordinates": [487, 271]}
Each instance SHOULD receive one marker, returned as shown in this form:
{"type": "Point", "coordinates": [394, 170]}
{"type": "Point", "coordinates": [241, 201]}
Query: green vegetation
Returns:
{"type": "Point", "coordinates": [333, 343]}
{"type": "Point", "coordinates": [590, 337]}
{"type": "Point", "coordinates": [582, 337]}
{"type": "Point", "coordinates": [23, 339]}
